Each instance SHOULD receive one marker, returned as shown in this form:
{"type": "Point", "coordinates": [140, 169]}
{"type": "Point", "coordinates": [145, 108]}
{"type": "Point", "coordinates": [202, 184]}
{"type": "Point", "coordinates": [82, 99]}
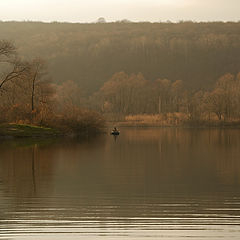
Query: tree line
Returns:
{"type": "Point", "coordinates": [89, 54]}
{"type": "Point", "coordinates": [29, 95]}
{"type": "Point", "coordinates": [132, 94]}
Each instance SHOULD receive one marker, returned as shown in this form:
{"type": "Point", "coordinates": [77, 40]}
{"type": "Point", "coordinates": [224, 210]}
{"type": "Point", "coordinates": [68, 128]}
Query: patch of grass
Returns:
{"type": "Point", "coordinates": [24, 130]}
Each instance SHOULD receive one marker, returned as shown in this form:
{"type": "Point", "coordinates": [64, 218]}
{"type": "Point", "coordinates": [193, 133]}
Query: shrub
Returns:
{"type": "Point", "coordinates": [80, 123]}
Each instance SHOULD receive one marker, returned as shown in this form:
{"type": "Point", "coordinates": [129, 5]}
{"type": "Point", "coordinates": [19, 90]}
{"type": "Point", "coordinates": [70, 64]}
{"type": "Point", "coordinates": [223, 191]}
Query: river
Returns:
{"type": "Point", "coordinates": [147, 183]}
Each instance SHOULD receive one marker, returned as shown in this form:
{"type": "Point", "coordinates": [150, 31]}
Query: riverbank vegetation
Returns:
{"type": "Point", "coordinates": [28, 96]}
{"type": "Point", "coordinates": [135, 101]}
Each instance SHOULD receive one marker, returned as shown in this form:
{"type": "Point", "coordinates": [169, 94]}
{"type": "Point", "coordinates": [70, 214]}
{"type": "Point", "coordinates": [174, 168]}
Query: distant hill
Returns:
{"type": "Point", "coordinates": [89, 54]}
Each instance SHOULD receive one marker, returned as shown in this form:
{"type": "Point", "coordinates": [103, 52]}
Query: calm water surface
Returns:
{"type": "Point", "coordinates": [145, 184]}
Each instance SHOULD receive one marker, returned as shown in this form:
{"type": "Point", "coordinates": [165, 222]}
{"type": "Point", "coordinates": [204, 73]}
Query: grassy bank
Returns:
{"type": "Point", "coordinates": [78, 123]}
{"type": "Point", "coordinates": [24, 130]}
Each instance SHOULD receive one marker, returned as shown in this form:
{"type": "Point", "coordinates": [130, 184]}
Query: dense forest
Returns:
{"type": "Point", "coordinates": [89, 54]}
{"type": "Point", "coordinates": [172, 73]}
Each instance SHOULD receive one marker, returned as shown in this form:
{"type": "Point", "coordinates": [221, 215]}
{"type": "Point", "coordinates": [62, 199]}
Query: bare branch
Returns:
{"type": "Point", "coordinates": [19, 69]}
{"type": "Point", "coordinates": [7, 49]}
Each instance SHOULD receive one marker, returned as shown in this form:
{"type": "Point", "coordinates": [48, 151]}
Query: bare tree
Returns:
{"type": "Point", "coordinates": [7, 49]}
{"type": "Point", "coordinates": [36, 73]}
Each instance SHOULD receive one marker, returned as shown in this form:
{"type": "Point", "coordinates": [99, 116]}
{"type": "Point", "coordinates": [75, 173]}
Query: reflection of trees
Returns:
{"type": "Point", "coordinates": [33, 168]}
{"type": "Point", "coordinates": [205, 158]}
{"type": "Point", "coordinates": [22, 169]}
{"type": "Point", "coordinates": [27, 167]}
{"type": "Point", "coordinates": [143, 166]}
{"type": "Point", "coordinates": [149, 156]}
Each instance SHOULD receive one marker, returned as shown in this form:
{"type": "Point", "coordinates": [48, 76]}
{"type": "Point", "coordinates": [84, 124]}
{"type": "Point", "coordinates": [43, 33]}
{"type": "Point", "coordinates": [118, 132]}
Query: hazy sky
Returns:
{"type": "Point", "coordinates": [112, 10]}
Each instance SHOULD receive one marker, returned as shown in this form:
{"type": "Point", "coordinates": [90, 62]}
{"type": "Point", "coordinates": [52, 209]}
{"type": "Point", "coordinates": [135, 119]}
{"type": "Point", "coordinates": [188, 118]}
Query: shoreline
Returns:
{"type": "Point", "coordinates": [192, 125]}
{"type": "Point", "coordinates": [14, 131]}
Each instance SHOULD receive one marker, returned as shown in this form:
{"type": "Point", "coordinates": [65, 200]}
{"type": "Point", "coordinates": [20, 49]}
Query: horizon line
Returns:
{"type": "Point", "coordinates": [124, 21]}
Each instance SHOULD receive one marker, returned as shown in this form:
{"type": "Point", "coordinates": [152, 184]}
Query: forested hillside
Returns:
{"type": "Point", "coordinates": [90, 54]}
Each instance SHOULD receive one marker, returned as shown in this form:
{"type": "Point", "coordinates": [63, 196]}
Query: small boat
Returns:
{"type": "Point", "coordinates": [115, 132]}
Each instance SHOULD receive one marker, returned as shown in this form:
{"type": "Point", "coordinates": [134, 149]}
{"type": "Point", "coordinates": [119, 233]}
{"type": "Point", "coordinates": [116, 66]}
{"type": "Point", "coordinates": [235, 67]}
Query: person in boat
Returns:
{"type": "Point", "coordinates": [115, 131]}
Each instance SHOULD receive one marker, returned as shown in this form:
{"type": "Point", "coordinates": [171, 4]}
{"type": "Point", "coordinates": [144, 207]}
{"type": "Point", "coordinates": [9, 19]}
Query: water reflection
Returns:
{"type": "Point", "coordinates": [148, 183]}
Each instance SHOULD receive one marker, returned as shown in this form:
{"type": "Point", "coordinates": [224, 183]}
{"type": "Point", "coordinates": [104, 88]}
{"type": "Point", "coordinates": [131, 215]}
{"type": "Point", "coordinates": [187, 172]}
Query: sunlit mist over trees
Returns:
{"type": "Point", "coordinates": [179, 71]}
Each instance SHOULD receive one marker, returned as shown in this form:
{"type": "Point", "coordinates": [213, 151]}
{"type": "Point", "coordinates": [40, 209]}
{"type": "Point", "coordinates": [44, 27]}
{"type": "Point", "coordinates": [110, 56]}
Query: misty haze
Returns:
{"type": "Point", "coordinates": [119, 120]}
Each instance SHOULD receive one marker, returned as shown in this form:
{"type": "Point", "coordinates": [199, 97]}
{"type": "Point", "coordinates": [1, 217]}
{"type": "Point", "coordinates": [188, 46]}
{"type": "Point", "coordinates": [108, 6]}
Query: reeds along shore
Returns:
{"type": "Point", "coordinates": [173, 120]}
